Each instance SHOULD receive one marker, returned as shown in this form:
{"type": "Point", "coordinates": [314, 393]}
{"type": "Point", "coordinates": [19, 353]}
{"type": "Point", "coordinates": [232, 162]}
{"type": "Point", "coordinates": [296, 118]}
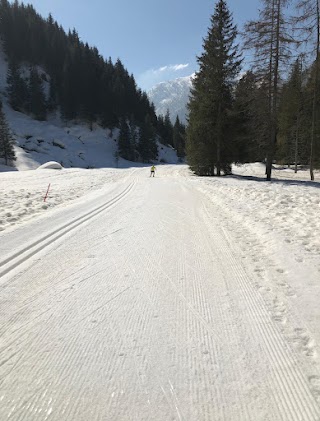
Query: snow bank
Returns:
{"type": "Point", "coordinates": [289, 203]}
{"type": "Point", "coordinates": [285, 209]}
{"type": "Point", "coordinates": [22, 192]}
{"type": "Point", "coordinates": [52, 165]}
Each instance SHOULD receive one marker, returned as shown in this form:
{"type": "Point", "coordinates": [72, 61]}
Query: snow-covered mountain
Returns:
{"type": "Point", "coordinates": [172, 95]}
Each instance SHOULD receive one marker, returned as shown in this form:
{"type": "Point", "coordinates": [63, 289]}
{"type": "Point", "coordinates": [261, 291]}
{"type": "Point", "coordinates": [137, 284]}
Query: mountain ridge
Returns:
{"type": "Point", "coordinates": [172, 95]}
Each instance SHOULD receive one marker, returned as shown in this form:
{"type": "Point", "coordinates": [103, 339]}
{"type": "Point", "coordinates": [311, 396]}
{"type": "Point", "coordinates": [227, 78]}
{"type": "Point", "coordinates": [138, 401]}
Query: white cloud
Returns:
{"type": "Point", "coordinates": [177, 67]}
{"type": "Point", "coordinates": [151, 77]}
{"type": "Point", "coordinates": [172, 67]}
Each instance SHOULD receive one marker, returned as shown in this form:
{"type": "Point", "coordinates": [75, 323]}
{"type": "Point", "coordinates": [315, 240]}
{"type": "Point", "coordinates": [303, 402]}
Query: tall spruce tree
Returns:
{"type": "Point", "coordinates": [168, 128]}
{"type": "Point", "coordinates": [147, 146]}
{"type": "Point", "coordinates": [6, 141]}
{"type": "Point", "coordinates": [178, 138]}
{"type": "Point", "coordinates": [161, 129]}
{"type": "Point", "coordinates": [133, 139]}
{"type": "Point", "coordinates": [125, 146]}
{"type": "Point", "coordinates": [17, 88]}
{"type": "Point", "coordinates": [37, 100]}
{"type": "Point", "coordinates": [208, 133]}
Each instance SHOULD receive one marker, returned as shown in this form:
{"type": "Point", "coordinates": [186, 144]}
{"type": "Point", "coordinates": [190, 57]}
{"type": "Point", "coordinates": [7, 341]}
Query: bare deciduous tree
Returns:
{"type": "Point", "coordinates": [270, 37]}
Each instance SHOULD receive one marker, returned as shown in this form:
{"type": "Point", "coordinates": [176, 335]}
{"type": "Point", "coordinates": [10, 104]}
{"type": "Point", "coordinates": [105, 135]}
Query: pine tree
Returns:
{"type": "Point", "coordinates": [208, 134]}
{"type": "Point", "coordinates": [168, 129]}
{"type": "Point", "coordinates": [125, 146]}
{"type": "Point", "coordinates": [6, 140]}
{"type": "Point", "coordinates": [133, 139]}
{"type": "Point", "coordinates": [161, 129]}
{"type": "Point", "coordinates": [37, 100]}
{"type": "Point", "coordinates": [83, 84]}
{"type": "Point", "coordinates": [17, 88]}
{"type": "Point", "coordinates": [179, 138]}
{"type": "Point", "coordinates": [147, 146]}
{"type": "Point", "coordinates": [52, 101]}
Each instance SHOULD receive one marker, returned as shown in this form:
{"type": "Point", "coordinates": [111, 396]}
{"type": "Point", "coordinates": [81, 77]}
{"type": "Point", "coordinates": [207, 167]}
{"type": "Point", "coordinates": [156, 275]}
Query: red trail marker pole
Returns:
{"type": "Point", "coordinates": [45, 197]}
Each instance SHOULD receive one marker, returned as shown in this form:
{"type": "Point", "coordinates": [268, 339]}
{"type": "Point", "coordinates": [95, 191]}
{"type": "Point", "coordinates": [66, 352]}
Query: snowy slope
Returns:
{"type": "Point", "coordinates": [72, 145]}
{"type": "Point", "coordinates": [75, 146]}
{"type": "Point", "coordinates": [172, 95]}
{"type": "Point", "coordinates": [171, 298]}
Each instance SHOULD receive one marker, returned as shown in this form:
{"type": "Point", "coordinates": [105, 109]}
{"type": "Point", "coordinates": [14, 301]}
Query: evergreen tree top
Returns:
{"type": "Point", "coordinates": [220, 53]}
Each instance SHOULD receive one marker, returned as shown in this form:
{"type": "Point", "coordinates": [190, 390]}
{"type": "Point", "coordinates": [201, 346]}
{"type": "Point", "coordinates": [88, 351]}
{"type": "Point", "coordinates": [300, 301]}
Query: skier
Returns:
{"type": "Point", "coordinates": [153, 170]}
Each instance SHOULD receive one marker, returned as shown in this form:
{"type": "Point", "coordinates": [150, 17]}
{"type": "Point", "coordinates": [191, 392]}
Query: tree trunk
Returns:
{"type": "Point", "coordinates": [314, 101]}
{"type": "Point", "coordinates": [219, 140]}
{"type": "Point", "coordinates": [273, 88]}
{"type": "Point", "coordinates": [296, 146]}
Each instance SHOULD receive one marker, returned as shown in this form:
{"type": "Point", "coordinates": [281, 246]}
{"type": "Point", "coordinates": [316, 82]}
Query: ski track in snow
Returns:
{"type": "Point", "coordinates": [164, 299]}
{"type": "Point", "coordinates": [22, 193]}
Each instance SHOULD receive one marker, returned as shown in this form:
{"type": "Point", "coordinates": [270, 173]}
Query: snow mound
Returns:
{"type": "Point", "coordinates": [51, 165]}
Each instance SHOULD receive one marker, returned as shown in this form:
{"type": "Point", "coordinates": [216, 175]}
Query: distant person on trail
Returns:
{"type": "Point", "coordinates": [153, 170]}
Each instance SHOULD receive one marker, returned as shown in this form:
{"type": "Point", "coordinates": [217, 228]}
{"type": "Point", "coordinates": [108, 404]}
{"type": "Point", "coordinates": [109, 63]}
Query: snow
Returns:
{"type": "Point", "coordinates": [22, 192]}
{"type": "Point", "coordinates": [52, 165]}
{"type": "Point", "coordinates": [125, 297]}
{"type": "Point", "coordinates": [75, 145]}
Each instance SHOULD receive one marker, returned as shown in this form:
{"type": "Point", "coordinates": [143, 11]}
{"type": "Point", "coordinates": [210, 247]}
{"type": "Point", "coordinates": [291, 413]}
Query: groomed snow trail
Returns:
{"type": "Point", "coordinates": [137, 305]}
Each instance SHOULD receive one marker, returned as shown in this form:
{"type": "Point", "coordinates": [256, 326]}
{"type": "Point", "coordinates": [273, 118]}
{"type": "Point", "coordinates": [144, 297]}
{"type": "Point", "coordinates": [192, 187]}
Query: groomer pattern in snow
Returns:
{"type": "Point", "coordinates": [125, 297]}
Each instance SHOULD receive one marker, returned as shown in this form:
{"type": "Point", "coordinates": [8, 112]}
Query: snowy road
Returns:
{"type": "Point", "coordinates": [143, 304]}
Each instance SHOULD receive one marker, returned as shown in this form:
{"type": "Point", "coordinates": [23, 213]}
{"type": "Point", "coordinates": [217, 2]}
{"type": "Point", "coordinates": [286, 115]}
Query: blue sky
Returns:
{"type": "Point", "coordinates": [156, 40]}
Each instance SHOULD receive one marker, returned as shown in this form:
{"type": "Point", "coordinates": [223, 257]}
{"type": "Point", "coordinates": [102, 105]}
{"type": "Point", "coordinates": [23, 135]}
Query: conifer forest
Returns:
{"type": "Point", "coordinates": [80, 83]}
{"type": "Point", "coordinates": [264, 109]}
